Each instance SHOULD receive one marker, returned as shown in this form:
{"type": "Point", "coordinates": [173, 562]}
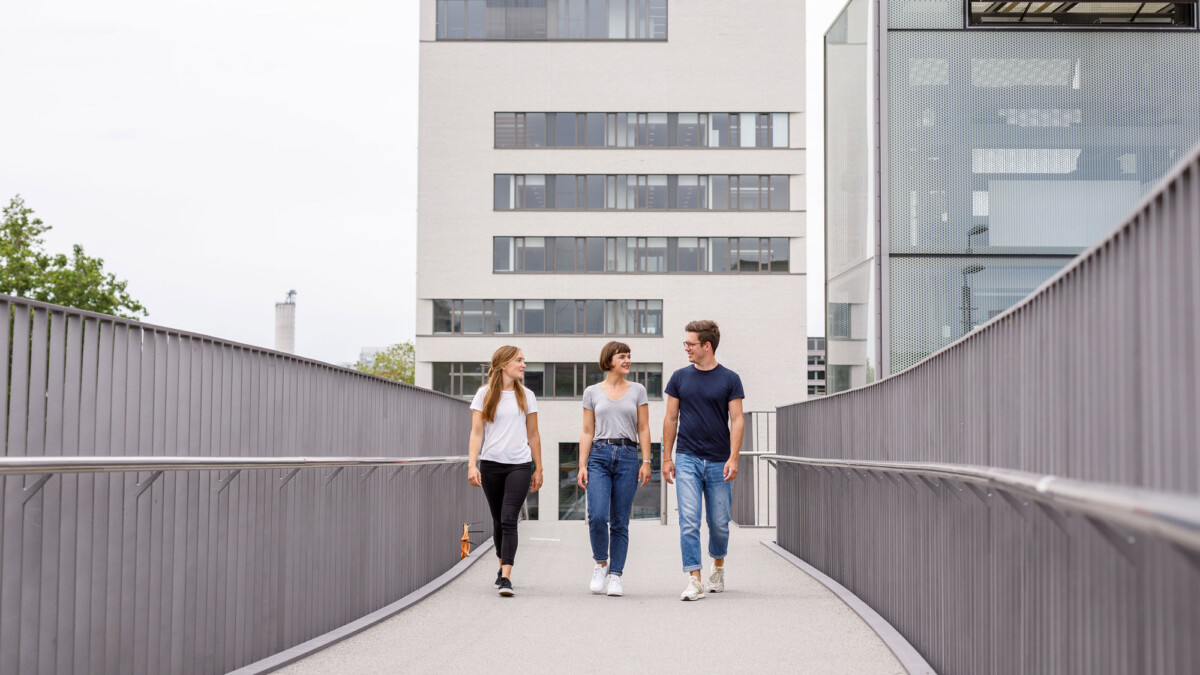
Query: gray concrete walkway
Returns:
{"type": "Point", "coordinates": [772, 616]}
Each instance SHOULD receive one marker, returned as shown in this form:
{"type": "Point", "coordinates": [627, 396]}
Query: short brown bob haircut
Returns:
{"type": "Point", "coordinates": [610, 350]}
{"type": "Point", "coordinates": [706, 331]}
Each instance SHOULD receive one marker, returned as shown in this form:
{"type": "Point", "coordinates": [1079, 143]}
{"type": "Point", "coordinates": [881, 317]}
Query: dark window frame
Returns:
{"type": "Point", "coordinates": [968, 24]}
{"type": "Point", "coordinates": [582, 375]}
{"type": "Point", "coordinates": [633, 253]}
{"type": "Point", "coordinates": [636, 134]}
{"type": "Point", "coordinates": [654, 19]}
{"type": "Point", "coordinates": [641, 309]}
{"type": "Point", "coordinates": [756, 192]}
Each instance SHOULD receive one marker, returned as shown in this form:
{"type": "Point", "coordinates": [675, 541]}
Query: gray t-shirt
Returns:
{"type": "Point", "coordinates": [615, 419]}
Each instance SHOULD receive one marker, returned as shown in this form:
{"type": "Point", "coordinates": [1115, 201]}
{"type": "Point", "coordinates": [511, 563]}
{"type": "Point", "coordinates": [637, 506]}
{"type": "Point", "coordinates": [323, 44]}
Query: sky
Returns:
{"type": "Point", "coordinates": [218, 154]}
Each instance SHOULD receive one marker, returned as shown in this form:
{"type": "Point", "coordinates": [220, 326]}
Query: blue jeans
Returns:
{"type": "Point", "coordinates": [695, 477]}
{"type": "Point", "coordinates": [612, 481]}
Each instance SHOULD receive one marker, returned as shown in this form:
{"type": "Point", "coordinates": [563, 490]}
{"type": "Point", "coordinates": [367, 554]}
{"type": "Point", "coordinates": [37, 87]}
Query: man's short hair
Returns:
{"type": "Point", "coordinates": [706, 331]}
{"type": "Point", "coordinates": [609, 351]}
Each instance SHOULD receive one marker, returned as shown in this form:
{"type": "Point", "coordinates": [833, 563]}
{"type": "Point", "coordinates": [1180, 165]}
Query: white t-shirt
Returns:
{"type": "Point", "coordinates": [505, 440]}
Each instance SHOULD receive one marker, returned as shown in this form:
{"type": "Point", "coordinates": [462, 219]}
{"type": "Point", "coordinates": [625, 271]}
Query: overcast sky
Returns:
{"type": "Point", "coordinates": [216, 154]}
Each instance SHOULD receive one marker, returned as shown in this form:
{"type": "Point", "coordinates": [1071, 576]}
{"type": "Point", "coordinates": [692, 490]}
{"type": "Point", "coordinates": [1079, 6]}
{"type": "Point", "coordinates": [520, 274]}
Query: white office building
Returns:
{"type": "Point", "coordinates": [595, 170]}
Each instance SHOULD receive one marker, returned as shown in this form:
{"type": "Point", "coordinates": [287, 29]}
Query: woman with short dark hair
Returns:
{"type": "Point", "coordinates": [616, 423]}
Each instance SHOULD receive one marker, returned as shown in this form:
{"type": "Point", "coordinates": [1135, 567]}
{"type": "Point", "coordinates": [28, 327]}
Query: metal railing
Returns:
{"type": "Point", "coordinates": [1093, 378]}
{"type": "Point", "coordinates": [753, 504]}
{"type": "Point", "coordinates": [1171, 517]}
{"type": "Point", "coordinates": [183, 504]}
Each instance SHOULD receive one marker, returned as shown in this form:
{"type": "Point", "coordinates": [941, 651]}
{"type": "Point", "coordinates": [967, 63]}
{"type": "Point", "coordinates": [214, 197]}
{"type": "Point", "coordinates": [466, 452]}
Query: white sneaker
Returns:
{"type": "Point", "coordinates": [716, 580]}
{"type": "Point", "coordinates": [614, 586]}
{"type": "Point", "coordinates": [598, 574]}
{"type": "Point", "coordinates": [694, 590]}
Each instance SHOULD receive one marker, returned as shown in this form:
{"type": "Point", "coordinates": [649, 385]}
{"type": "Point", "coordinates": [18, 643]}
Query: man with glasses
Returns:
{"type": "Point", "coordinates": [704, 413]}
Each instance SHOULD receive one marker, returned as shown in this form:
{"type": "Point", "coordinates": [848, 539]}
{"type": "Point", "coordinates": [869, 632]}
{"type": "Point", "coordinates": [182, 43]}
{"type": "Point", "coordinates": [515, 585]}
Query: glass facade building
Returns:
{"type": "Point", "coordinates": [976, 155]}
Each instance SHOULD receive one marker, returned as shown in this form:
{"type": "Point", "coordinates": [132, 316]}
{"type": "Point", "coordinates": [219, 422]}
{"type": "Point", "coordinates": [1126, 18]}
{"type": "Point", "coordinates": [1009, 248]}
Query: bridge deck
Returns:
{"type": "Point", "coordinates": [772, 616]}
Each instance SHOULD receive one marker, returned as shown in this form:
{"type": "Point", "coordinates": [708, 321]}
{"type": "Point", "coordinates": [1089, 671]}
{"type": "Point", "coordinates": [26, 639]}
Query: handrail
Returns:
{"type": "Point", "coordinates": [84, 464]}
{"type": "Point", "coordinates": [1172, 517]}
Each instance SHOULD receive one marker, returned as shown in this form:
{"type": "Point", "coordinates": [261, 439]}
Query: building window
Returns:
{"type": "Point", "coordinates": [646, 192]}
{"type": "Point", "coordinates": [459, 379]}
{"type": "Point", "coordinates": [816, 390]}
{"type": "Point", "coordinates": [529, 317]}
{"type": "Point", "coordinates": [838, 378]}
{"type": "Point", "coordinates": [552, 19]}
{"type": "Point", "coordinates": [1092, 15]}
{"type": "Point", "coordinates": [572, 499]}
{"type": "Point", "coordinates": [545, 380]}
{"type": "Point", "coordinates": [473, 317]}
{"type": "Point", "coordinates": [634, 255]}
{"type": "Point", "coordinates": [816, 360]}
{"type": "Point", "coordinates": [531, 505]}
{"type": "Point", "coordinates": [640, 130]}
{"type": "Point", "coordinates": [816, 375]}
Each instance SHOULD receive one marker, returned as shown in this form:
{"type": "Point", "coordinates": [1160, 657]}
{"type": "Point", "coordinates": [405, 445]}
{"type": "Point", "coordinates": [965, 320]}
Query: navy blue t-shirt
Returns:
{"type": "Point", "coordinates": [704, 397]}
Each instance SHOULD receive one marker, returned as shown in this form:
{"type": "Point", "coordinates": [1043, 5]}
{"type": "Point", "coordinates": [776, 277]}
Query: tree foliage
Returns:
{"type": "Point", "coordinates": [397, 362]}
{"type": "Point", "coordinates": [78, 280]}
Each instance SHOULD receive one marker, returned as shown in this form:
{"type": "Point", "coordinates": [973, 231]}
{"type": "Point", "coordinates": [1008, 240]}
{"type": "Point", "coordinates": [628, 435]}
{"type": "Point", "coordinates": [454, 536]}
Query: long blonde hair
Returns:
{"type": "Point", "coordinates": [495, 382]}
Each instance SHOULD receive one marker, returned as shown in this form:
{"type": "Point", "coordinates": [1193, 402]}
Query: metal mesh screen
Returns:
{"type": "Point", "coordinates": [925, 14]}
{"type": "Point", "coordinates": [1013, 144]}
{"type": "Point", "coordinates": [935, 301]}
{"type": "Point", "coordinates": [1017, 142]}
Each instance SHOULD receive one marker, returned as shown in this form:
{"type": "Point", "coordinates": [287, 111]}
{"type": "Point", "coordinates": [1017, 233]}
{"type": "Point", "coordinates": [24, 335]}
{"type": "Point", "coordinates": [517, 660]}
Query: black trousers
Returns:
{"type": "Point", "coordinates": [505, 486]}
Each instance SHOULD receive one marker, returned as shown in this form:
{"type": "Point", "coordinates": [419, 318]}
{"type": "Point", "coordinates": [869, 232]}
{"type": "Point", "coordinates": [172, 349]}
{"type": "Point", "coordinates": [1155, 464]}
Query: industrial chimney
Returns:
{"type": "Point", "coordinates": [285, 324]}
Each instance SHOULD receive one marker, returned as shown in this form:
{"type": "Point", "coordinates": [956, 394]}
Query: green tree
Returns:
{"type": "Point", "coordinates": [78, 280]}
{"type": "Point", "coordinates": [397, 362]}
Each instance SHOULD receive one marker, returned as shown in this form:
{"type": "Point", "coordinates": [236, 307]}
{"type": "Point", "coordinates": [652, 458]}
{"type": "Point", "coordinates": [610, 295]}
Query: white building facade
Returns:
{"type": "Point", "coordinates": [595, 170]}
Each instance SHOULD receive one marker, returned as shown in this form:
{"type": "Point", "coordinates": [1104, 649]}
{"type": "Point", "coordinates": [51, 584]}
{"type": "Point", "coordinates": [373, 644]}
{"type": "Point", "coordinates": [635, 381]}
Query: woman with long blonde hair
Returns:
{"type": "Point", "coordinates": [505, 452]}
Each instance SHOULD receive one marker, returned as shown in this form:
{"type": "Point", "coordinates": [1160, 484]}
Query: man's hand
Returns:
{"type": "Point", "coordinates": [730, 471]}
{"type": "Point", "coordinates": [536, 481]}
{"type": "Point", "coordinates": [474, 477]}
{"type": "Point", "coordinates": [582, 478]}
{"type": "Point", "coordinates": [668, 470]}
{"type": "Point", "coordinates": [644, 474]}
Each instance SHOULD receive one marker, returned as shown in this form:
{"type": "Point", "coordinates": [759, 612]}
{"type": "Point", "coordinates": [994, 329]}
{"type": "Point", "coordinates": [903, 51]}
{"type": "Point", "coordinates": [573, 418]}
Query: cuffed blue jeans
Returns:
{"type": "Point", "coordinates": [612, 482]}
{"type": "Point", "coordinates": [697, 479]}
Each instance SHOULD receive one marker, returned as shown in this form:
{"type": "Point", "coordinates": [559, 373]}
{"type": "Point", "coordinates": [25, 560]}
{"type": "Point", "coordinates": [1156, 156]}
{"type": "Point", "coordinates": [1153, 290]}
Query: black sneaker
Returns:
{"type": "Point", "coordinates": [499, 576]}
{"type": "Point", "coordinates": [506, 588]}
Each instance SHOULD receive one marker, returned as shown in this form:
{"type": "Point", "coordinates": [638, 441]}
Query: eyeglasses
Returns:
{"type": "Point", "coordinates": [690, 344]}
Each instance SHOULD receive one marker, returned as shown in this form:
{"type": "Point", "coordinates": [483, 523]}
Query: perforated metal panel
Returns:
{"type": "Point", "coordinates": [1031, 142]}
{"type": "Point", "coordinates": [1019, 144]}
{"type": "Point", "coordinates": [935, 301]}
{"type": "Point", "coordinates": [925, 14]}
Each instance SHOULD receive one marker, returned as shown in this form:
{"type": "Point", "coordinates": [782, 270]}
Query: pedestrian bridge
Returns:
{"type": "Point", "coordinates": [1026, 500]}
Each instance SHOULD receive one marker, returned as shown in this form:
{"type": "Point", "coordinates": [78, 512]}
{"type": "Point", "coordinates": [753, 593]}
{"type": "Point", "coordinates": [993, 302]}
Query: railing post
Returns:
{"type": "Point", "coordinates": [662, 497]}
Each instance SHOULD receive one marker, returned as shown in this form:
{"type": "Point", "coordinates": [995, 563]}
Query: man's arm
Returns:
{"type": "Point", "coordinates": [737, 427]}
{"type": "Point", "coordinates": [670, 426]}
